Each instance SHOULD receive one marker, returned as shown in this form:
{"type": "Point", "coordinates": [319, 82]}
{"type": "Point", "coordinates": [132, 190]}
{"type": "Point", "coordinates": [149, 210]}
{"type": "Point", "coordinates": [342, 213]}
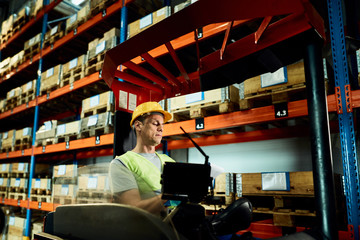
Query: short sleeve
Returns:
{"type": "Point", "coordinates": [120, 177]}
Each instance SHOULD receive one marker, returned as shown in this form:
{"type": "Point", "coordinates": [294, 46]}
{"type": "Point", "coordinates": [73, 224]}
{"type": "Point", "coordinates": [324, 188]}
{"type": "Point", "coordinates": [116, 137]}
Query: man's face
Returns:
{"type": "Point", "coordinates": [152, 130]}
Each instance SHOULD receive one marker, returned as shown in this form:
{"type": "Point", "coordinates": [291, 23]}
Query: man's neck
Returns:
{"type": "Point", "coordinates": [144, 149]}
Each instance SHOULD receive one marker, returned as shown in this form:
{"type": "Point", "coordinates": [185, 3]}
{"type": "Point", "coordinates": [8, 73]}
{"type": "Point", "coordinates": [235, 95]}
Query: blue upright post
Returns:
{"type": "Point", "coordinates": [123, 23]}
{"type": "Point", "coordinates": [345, 116]}
{"type": "Point", "coordinates": [27, 231]}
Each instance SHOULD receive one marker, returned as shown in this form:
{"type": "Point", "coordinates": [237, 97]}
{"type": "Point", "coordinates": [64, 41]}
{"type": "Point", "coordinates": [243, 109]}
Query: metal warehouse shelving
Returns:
{"type": "Point", "coordinates": [141, 62]}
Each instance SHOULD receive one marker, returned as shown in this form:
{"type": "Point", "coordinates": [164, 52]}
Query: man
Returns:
{"type": "Point", "coordinates": [135, 175]}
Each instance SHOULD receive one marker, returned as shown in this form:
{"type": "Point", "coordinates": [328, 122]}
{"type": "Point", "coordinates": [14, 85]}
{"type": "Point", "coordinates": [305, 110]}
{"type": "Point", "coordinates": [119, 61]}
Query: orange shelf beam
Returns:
{"type": "Point", "coordinates": [44, 206]}
{"type": "Point", "coordinates": [107, 139]}
{"type": "Point", "coordinates": [234, 119]}
{"type": "Point", "coordinates": [258, 135]}
{"type": "Point", "coordinates": [54, 94]}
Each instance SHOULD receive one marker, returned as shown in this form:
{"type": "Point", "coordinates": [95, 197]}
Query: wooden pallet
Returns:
{"type": "Point", "coordinates": [22, 146]}
{"type": "Point", "coordinates": [95, 64]}
{"type": "Point", "coordinates": [203, 110]}
{"type": "Point", "coordinates": [52, 39]}
{"type": "Point", "coordinates": [101, 108]}
{"type": "Point", "coordinates": [6, 149]}
{"type": "Point", "coordinates": [102, 5]}
{"type": "Point", "coordinates": [45, 142]}
{"type": "Point", "coordinates": [49, 89]}
{"type": "Point", "coordinates": [17, 196]}
{"type": "Point", "coordinates": [27, 97]}
{"type": "Point", "coordinates": [31, 51]}
{"type": "Point", "coordinates": [16, 64]}
{"type": "Point", "coordinates": [6, 37]}
{"type": "Point", "coordinates": [75, 25]}
{"type": "Point", "coordinates": [3, 194]}
{"type": "Point", "coordinates": [93, 194]}
{"type": "Point", "coordinates": [11, 103]}
{"type": "Point", "coordinates": [19, 23]}
{"type": "Point", "coordinates": [73, 75]}
{"type": "Point", "coordinates": [66, 138]}
{"type": "Point", "coordinates": [39, 191]}
{"type": "Point", "coordinates": [63, 200]}
{"type": "Point", "coordinates": [15, 174]}
{"type": "Point", "coordinates": [95, 131]}
{"type": "Point", "coordinates": [92, 200]}
{"type": "Point", "coordinates": [277, 95]}
{"type": "Point", "coordinates": [40, 198]}
{"type": "Point", "coordinates": [4, 174]}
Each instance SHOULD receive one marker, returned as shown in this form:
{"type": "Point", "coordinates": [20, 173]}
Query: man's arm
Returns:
{"type": "Point", "coordinates": [132, 197]}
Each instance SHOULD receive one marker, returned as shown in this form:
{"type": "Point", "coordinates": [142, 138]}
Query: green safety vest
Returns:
{"type": "Point", "coordinates": [147, 175]}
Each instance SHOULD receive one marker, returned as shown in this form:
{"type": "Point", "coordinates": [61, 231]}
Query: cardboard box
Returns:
{"type": "Point", "coordinates": [181, 6]}
{"type": "Point", "coordinates": [13, 93]}
{"type": "Point", "coordinates": [147, 21]}
{"type": "Point", "coordinates": [97, 120]}
{"type": "Point", "coordinates": [93, 182]}
{"type": "Point", "coordinates": [41, 183]}
{"type": "Point", "coordinates": [32, 41]}
{"type": "Point", "coordinates": [114, 32]}
{"type": "Point", "coordinates": [28, 87]}
{"type": "Point", "coordinates": [2, 106]}
{"type": "Point", "coordinates": [19, 167]}
{"type": "Point", "coordinates": [295, 75]}
{"type": "Point", "coordinates": [301, 183]}
{"type": "Point", "coordinates": [64, 190]}
{"type": "Point", "coordinates": [74, 63]}
{"type": "Point", "coordinates": [102, 46]}
{"type": "Point", "coordinates": [23, 133]}
{"type": "Point", "coordinates": [47, 130]}
{"type": "Point", "coordinates": [105, 99]}
{"type": "Point", "coordinates": [68, 170]}
{"type": "Point", "coordinates": [38, 5]}
{"type": "Point", "coordinates": [219, 95]}
{"type": "Point", "coordinates": [19, 182]}
{"type": "Point", "coordinates": [79, 17]}
{"type": "Point", "coordinates": [6, 25]}
{"type": "Point", "coordinates": [17, 59]}
{"type": "Point", "coordinates": [8, 139]}
{"type": "Point", "coordinates": [37, 227]}
{"type": "Point", "coordinates": [51, 78]}
{"type": "Point", "coordinates": [70, 128]}
{"type": "Point", "coordinates": [4, 182]}
{"type": "Point", "coordinates": [5, 167]}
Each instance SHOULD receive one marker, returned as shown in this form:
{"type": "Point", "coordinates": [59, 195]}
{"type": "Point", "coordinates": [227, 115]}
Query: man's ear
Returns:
{"type": "Point", "coordinates": [137, 125]}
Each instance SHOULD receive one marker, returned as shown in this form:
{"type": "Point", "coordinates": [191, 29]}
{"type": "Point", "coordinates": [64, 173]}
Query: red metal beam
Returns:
{"type": "Point", "coordinates": [202, 13]}
{"type": "Point", "coordinates": [263, 26]}
{"type": "Point", "coordinates": [149, 75]}
{"type": "Point", "coordinates": [139, 82]}
{"type": "Point", "coordinates": [177, 62]}
{"type": "Point", "coordinates": [227, 33]}
{"type": "Point", "coordinates": [161, 69]}
{"type": "Point", "coordinates": [275, 33]}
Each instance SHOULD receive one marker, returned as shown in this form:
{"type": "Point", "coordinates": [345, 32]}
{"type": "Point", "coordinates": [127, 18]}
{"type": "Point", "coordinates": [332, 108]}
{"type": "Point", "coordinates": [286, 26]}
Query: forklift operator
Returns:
{"type": "Point", "coordinates": [135, 176]}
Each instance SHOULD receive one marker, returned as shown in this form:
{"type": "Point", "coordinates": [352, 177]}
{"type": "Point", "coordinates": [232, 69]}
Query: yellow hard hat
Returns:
{"type": "Point", "coordinates": [149, 107]}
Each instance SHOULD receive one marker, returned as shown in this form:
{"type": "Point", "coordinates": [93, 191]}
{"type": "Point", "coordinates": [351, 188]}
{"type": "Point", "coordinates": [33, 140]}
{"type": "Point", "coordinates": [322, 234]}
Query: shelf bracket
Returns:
{"type": "Point", "coordinates": [149, 75]}
{"type": "Point", "coordinates": [227, 33]}
{"type": "Point", "coordinates": [160, 68]}
{"type": "Point", "coordinates": [264, 24]}
{"type": "Point", "coordinates": [178, 62]}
